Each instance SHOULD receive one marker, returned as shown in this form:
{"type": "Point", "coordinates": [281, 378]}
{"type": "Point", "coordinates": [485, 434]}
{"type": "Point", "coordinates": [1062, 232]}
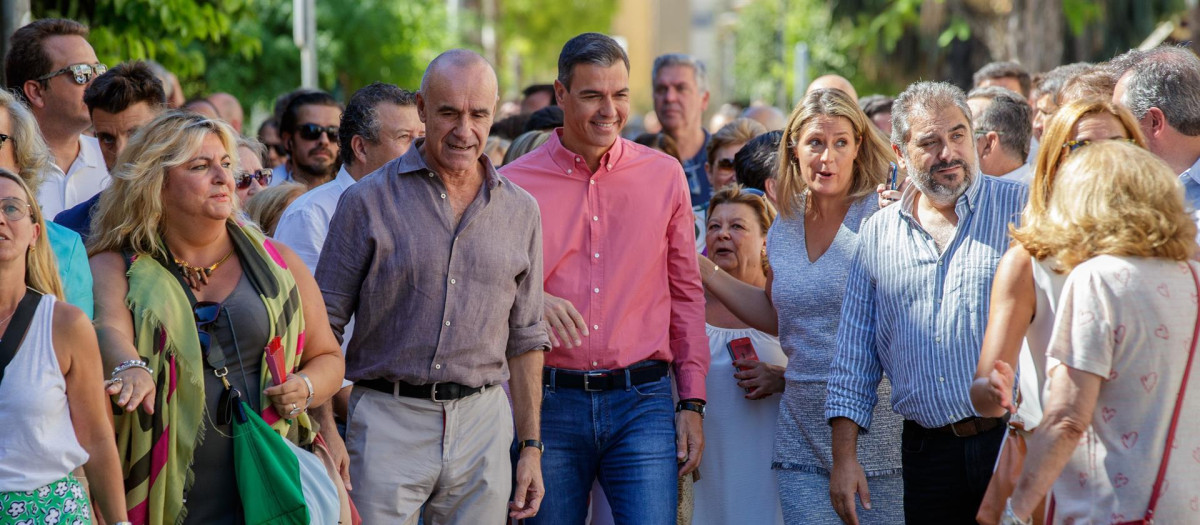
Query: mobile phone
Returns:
{"type": "Point", "coordinates": [892, 172]}
{"type": "Point", "coordinates": [742, 348]}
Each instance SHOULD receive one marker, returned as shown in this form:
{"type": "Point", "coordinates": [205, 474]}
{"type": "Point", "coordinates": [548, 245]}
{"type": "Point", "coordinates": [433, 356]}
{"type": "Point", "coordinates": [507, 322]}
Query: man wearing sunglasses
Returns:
{"type": "Point", "coordinates": [309, 130]}
{"type": "Point", "coordinates": [120, 102]}
{"type": "Point", "coordinates": [49, 64]}
{"type": "Point", "coordinates": [1002, 131]}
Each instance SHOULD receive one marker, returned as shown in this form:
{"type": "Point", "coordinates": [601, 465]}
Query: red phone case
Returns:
{"type": "Point", "coordinates": [742, 348]}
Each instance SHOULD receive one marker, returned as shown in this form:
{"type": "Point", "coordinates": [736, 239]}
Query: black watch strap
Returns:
{"type": "Point", "coordinates": [695, 405]}
{"type": "Point", "coordinates": [532, 443]}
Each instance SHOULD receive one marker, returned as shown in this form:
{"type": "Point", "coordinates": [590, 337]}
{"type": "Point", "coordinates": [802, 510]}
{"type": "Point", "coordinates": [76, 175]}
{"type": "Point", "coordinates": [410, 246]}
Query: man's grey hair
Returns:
{"type": "Point", "coordinates": [1051, 82]}
{"type": "Point", "coordinates": [1167, 78]}
{"type": "Point", "coordinates": [997, 70]}
{"type": "Point", "coordinates": [681, 59]}
{"type": "Point", "coordinates": [589, 48]}
{"type": "Point", "coordinates": [1009, 115]}
{"type": "Point", "coordinates": [361, 116]}
{"type": "Point", "coordinates": [923, 98]}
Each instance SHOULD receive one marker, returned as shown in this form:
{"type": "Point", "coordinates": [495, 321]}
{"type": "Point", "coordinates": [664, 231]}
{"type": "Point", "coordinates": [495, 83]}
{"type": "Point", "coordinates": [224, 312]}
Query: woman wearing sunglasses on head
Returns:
{"type": "Point", "coordinates": [188, 298]}
{"type": "Point", "coordinates": [1025, 294]}
{"type": "Point", "coordinates": [51, 390]}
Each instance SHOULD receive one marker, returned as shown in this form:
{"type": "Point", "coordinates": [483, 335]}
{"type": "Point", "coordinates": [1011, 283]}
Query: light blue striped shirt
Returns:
{"type": "Point", "coordinates": [917, 314]}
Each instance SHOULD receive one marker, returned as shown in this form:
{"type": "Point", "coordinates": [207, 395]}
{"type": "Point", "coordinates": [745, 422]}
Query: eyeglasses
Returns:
{"type": "Point", "coordinates": [14, 209]}
{"type": "Point", "coordinates": [277, 148]}
{"type": "Point", "coordinates": [243, 178]}
{"type": "Point", "coordinates": [83, 73]}
{"type": "Point", "coordinates": [206, 313]}
{"type": "Point", "coordinates": [982, 132]}
{"type": "Point", "coordinates": [313, 132]}
{"type": "Point", "coordinates": [1073, 145]}
{"type": "Point", "coordinates": [725, 164]}
{"type": "Point", "coordinates": [3, 138]}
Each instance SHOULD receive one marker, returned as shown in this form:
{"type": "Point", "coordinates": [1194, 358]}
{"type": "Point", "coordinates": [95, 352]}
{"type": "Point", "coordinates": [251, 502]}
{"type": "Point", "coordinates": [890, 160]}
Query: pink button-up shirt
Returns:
{"type": "Point", "coordinates": [620, 245]}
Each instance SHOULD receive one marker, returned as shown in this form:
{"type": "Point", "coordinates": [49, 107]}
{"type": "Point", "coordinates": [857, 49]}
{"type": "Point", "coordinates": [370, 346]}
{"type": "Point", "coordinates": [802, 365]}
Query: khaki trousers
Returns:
{"type": "Point", "coordinates": [450, 459]}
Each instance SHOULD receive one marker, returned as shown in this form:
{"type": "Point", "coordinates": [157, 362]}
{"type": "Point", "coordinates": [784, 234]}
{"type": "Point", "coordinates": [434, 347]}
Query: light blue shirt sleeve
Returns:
{"type": "Point", "coordinates": [303, 232]}
{"type": "Point", "coordinates": [855, 372]}
{"type": "Point", "coordinates": [73, 268]}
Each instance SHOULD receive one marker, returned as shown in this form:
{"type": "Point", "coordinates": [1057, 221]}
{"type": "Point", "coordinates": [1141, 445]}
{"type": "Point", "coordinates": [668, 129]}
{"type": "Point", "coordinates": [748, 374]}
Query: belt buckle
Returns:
{"type": "Point", "coordinates": [586, 386]}
{"type": "Point", "coordinates": [433, 393]}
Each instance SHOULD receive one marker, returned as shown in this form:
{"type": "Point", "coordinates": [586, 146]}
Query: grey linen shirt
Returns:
{"type": "Point", "coordinates": [433, 302]}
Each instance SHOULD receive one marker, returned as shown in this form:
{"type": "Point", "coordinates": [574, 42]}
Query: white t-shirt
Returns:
{"type": "Point", "coordinates": [84, 179]}
{"type": "Point", "coordinates": [1130, 320]}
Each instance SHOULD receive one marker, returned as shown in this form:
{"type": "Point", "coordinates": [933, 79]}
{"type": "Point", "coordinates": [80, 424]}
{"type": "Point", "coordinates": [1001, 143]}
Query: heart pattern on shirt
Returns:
{"type": "Point", "coordinates": [1107, 413]}
{"type": "Point", "coordinates": [1196, 454]}
{"type": "Point", "coordinates": [1163, 290]}
{"type": "Point", "coordinates": [1113, 374]}
{"type": "Point", "coordinates": [1123, 276]}
{"type": "Point", "coordinates": [1162, 332]}
{"type": "Point", "coordinates": [1129, 440]}
{"type": "Point", "coordinates": [1120, 481]}
{"type": "Point", "coordinates": [1082, 479]}
{"type": "Point", "coordinates": [1149, 381]}
{"type": "Point", "coordinates": [1117, 518]}
{"type": "Point", "coordinates": [1194, 503]}
{"type": "Point", "coordinates": [1086, 318]}
{"type": "Point", "coordinates": [1119, 334]}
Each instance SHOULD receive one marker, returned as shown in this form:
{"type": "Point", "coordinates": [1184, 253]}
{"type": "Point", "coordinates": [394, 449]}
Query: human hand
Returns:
{"type": "Point", "coordinates": [846, 480]}
{"type": "Point", "coordinates": [689, 440]}
{"type": "Point", "coordinates": [762, 379]}
{"type": "Point", "coordinates": [527, 498]}
{"type": "Point", "coordinates": [338, 453]}
{"type": "Point", "coordinates": [289, 398]}
{"type": "Point", "coordinates": [565, 323]}
{"type": "Point", "coordinates": [889, 196]}
{"type": "Point", "coordinates": [1000, 385]}
{"type": "Point", "coordinates": [707, 267]}
{"type": "Point", "coordinates": [133, 387]}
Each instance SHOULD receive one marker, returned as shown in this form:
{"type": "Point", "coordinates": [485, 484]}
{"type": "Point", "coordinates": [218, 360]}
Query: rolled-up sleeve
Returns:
{"type": "Point", "coordinates": [856, 372]}
{"type": "Point", "coordinates": [344, 260]}
{"type": "Point", "coordinates": [689, 343]}
{"type": "Point", "coordinates": [525, 329]}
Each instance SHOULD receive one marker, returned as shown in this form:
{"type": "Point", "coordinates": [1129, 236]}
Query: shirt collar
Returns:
{"type": "Point", "coordinates": [565, 159]}
{"type": "Point", "coordinates": [1192, 172]}
{"type": "Point", "coordinates": [701, 157]}
{"type": "Point", "coordinates": [343, 178]}
{"type": "Point", "coordinates": [412, 162]}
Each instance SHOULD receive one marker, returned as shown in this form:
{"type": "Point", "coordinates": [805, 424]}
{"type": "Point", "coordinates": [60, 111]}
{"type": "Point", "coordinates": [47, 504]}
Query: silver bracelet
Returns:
{"type": "Point", "coordinates": [311, 391]}
{"type": "Point", "coordinates": [132, 363]}
{"type": "Point", "coordinates": [1010, 517]}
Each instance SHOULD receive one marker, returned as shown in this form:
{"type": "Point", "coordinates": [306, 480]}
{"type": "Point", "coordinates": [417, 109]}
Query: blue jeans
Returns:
{"type": "Point", "coordinates": [624, 438]}
{"type": "Point", "coordinates": [945, 476]}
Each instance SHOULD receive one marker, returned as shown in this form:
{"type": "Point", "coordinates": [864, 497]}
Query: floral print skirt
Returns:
{"type": "Point", "coordinates": [62, 502]}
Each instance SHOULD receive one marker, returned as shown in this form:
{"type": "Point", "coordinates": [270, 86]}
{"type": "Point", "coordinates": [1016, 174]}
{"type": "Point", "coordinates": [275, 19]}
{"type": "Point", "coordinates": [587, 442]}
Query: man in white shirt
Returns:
{"type": "Point", "coordinates": [1161, 87]}
{"type": "Point", "coordinates": [49, 64]}
{"type": "Point", "coordinates": [1002, 130]}
{"type": "Point", "coordinates": [379, 125]}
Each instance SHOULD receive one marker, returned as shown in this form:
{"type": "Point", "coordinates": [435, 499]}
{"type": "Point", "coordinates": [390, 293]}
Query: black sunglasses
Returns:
{"type": "Point", "coordinates": [3, 138]}
{"type": "Point", "coordinates": [725, 164]}
{"type": "Point", "coordinates": [313, 132]}
{"type": "Point", "coordinates": [278, 149]}
{"type": "Point", "coordinates": [206, 313]}
{"type": "Point", "coordinates": [243, 178]}
{"type": "Point", "coordinates": [82, 73]}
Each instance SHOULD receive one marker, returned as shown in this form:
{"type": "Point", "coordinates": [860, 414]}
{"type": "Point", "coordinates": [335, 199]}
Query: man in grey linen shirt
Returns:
{"type": "Point", "coordinates": [439, 259]}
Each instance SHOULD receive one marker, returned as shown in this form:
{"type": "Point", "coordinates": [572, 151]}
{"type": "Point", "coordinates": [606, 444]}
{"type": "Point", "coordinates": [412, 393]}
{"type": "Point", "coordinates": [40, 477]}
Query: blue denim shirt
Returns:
{"type": "Point", "coordinates": [919, 314]}
{"type": "Point", "coordinates": [697, 174]}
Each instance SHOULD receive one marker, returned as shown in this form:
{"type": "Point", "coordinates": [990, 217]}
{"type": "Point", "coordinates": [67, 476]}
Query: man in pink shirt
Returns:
{"type": "Point", "coordinates": [623, 301]}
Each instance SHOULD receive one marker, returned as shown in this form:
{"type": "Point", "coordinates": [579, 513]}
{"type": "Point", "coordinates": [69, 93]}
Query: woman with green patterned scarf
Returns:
{"type": "Point", "coordinates": [189, 296]}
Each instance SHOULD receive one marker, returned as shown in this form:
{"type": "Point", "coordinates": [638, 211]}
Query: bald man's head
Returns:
{"type": "Point", "coordinates": [457, 103]}
{"type": "Point", "coordinates": [230, 109]}
{"type": "Point", "coordinates": [834, 82]}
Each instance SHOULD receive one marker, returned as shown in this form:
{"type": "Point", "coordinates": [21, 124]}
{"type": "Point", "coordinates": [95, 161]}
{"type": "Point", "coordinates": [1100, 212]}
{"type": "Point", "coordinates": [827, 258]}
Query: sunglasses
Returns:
{"type": "Point", "coordinates": [313, 132]}
{"type": "Point", "coordinates": [14, 209]}
{"type": "Point", "coordinates": [1073, 145]}
{"type": "Point", "coordinates": [243, 178]}
{"type": "Point", "coordinates": [725, 164]}
{"type": "Point", "coordinates": [206, 313]}
{"type": "Point", "coordinates": [3, 138]}
{"type": "Point", "coordinates": [83, 73]}
{"type": "Point", "coordinates": [278, 149]}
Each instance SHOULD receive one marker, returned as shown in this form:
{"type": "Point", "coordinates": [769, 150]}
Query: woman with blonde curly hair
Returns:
{"type": "Point", "coordinates": [831, 160]}
{"type": "Point", "coordinates": [188, 299]}
{"type": "Point", "coordinates": [51, 391]}
{"type": "Point", "coordinates": [1028, 280]}
{"type": "Point", "coordinates": [1122, 346]}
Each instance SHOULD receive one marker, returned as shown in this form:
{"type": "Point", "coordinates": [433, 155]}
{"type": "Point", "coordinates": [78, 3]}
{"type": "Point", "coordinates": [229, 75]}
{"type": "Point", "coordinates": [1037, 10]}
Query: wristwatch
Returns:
{"type": "Point", "coordinates": [532, 443]}
{"type": "Point", "coordinates": [695, 405]}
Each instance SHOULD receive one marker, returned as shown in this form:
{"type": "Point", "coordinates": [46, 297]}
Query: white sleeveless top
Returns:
{"type": "Point", "coordinates": [37, 443]}
{"type": "Point", "coordinates": [1048, 287]}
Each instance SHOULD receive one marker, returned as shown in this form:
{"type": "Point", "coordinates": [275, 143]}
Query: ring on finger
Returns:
{"type": "Point", "coordinates": [295, 410]}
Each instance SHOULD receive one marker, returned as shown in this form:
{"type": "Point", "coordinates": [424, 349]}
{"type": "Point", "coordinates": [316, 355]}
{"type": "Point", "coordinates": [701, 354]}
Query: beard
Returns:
{"type": "Point", "coordinates": [939, 191]}
{"type": "Point", "coordinates": [317, 168]}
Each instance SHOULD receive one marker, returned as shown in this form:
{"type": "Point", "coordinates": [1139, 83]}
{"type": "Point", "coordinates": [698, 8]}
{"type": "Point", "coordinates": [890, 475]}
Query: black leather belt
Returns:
{"type": "Point", "coordinates": [968, 427]}
{"type": "Point", "coordinates": [599, 380]}
{"type": "Point", "coordinates": [433, 392]}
